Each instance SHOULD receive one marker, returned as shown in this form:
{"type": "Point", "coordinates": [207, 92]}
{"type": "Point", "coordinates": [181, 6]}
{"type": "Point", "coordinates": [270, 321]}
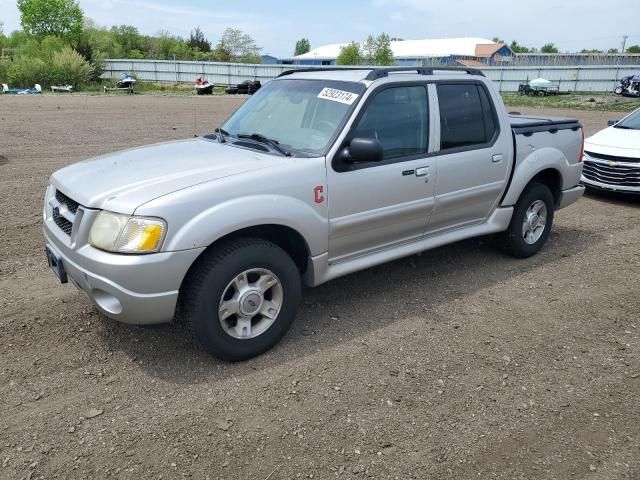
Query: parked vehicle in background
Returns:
{"type": "Point", "coordinates": [320, 174]}
{"type": "Point", "coordinates": [629, 86]}
{"type": "Point", "coordinates": [22, 91]}
{"type": "Point", "coordinates": [203, 87]}
{"type": "Point", "coordinates": [126, 83]}
{"type": "Point", "coordinates": [539, 87]}
{"type": "Point", "coordinates": [612, 156]}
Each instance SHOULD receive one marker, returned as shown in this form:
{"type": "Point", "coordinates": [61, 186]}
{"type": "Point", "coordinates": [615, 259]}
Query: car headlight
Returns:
{"type": "Point", "coordinates": [115, 232]}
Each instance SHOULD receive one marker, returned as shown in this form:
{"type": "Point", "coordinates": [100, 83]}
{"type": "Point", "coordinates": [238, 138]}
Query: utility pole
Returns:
{"type": "Point", "coordinates": [624, 43]}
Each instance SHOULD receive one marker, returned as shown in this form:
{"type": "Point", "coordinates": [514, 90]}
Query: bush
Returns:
{"type": "Point", "coordinates": [70, 68]}
{"type": "Point", "coordinates": [5, 64]}
{"type": "Point", "coordinates": [25, 72]}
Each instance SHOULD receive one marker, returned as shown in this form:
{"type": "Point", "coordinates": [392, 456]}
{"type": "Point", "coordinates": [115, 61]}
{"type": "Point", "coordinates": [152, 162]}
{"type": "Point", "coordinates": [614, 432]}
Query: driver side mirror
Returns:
{"type": "Point", "coordinates": [611, 123]}
{"type": "Point", "coordinates": [363, 149]}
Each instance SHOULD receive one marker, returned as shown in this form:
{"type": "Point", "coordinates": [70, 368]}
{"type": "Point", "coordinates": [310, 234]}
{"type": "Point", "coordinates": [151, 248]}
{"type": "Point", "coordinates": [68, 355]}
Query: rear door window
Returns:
{"type": "Point", "coordinates": [467, 118]}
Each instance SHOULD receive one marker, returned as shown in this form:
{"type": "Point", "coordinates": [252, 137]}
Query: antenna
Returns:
{"type": "Point", "coordinates": [195, 120]}
{"type": "Point", "coordinates": [624, 43]}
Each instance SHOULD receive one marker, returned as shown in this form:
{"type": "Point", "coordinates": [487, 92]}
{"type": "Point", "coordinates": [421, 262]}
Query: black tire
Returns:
{"type": "Point", "coordinates": [513, 239]}
{"type": "Point", "coordinates": [541, 93]}
{"type": "Point", "coordinates": [207, 282]}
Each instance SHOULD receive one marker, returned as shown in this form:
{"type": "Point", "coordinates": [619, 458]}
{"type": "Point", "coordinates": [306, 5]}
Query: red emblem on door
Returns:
{"type": "Point", "coordinates": [317, 192]}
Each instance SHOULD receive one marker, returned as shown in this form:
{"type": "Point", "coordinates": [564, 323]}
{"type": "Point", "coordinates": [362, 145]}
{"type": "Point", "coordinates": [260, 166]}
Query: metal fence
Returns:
{"type": "Point", "coordinates": [581, 78]}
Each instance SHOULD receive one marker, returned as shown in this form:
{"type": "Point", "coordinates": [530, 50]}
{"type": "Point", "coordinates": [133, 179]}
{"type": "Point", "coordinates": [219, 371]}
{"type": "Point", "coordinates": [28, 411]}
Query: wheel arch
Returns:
{"type": "Point", "coordinates": [532, 169]}
{"type": "Point", "coordinates": [287, 238]}
{"type": "Point", "coordinates": [552, 178]}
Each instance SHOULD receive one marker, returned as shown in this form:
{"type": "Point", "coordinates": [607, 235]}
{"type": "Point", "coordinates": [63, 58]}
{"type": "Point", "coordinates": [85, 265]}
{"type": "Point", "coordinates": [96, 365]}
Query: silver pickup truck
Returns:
{"type": "Point", "coordinates": [321, 173]}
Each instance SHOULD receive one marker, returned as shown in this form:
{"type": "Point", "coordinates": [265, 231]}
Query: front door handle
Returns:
{"type": "Point", "coordinates": [422, 172]}
{"type": "Point", "coordinates": [497, 158]}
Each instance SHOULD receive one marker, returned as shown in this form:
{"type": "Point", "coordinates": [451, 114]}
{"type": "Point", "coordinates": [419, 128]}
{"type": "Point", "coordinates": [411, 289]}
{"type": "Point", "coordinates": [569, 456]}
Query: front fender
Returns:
{"type": "Point", "coordinates": [541, 159]}
{"type": "Point", "coordinates": [248, 211]}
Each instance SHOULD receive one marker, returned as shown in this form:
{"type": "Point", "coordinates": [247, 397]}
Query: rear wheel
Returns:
{"type": "Point", "coordinates": [241, 298]}
{"type": "Point", "coordinates": [531, 222]}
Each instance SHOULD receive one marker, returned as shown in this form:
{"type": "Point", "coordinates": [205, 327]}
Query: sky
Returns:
{"type": "Point", "coordinates": [277, 24]}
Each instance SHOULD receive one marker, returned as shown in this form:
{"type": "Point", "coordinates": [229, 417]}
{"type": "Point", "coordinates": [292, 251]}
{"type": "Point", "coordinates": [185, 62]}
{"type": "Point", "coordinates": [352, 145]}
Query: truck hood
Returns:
{"type": "Point", "coordinates": [124, 180]}
{"type": "Point", "coordinates": [617, 142]}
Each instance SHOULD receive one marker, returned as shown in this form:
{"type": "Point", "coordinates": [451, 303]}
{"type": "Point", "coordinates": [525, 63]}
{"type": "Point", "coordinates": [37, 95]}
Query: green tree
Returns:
{"type": "Point", "coordinates": [302, 46]}
{"type": "Point", "coordinates": [197, 41]}
{"type": "Point", "coordinates": [612, 50]}
{"type": "Point", "coordinates": [517, 48]}
{"type": "Point", "coordinates": [62, 18]}
{"type": "Point", "coordinates": [240, 45]}
{"type": "Point", "coordinates": [592, 50]}
{"type": "Point", "coordinates": [369, 50]}
{"type": "Point", "coordinates": [349, 55]}
{"type": "Point", "coordinates": [633, 49]}
{"type": "Point", "coordinates": [497, 40]}
{"type": "Point", "coordinates": [127, 38]}
{"type": "Point", "coordinates": [549, 48]}
{"type": "Point", "coordinates": [383, 55]}
{"type": "Point", "coordinates": [221, 53]}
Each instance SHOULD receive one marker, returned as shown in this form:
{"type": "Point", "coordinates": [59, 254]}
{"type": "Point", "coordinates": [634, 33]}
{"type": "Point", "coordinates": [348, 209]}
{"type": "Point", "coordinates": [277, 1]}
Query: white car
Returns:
{"type": "Point", "coordinates": [612, 157]}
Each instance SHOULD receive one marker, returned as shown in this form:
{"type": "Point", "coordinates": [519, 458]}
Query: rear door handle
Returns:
{"type": "Point", "coordinates": [422, 172]}
{"type": "Point", "coordinates": [497, 158]}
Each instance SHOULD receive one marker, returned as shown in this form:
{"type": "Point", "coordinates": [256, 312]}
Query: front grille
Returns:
{"type": "Point", "coordinates": [64, 224]}
{"type": "Point", "coordinates": [72, 205]}
{"type": "Point", "coordinates": [620, 171]}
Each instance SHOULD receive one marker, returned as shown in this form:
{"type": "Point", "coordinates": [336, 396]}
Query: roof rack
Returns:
{"type": "Point", "coordinates": [376, 72]}
{"type": "Point", "coordinates": [384, 72]}
{"type": "Point", "coordinates": [320, 69]}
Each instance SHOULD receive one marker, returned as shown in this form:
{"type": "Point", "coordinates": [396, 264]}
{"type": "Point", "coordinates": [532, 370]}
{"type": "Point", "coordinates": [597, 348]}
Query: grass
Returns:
{"type": "Point", "coordinates": [574, 101]}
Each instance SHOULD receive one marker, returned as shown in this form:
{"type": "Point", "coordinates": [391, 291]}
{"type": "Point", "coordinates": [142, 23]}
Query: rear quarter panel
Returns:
{"type": "Point", "coordinates": [544, 150]}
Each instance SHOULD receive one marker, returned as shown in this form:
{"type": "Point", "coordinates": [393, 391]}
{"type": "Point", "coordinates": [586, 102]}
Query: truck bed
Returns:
{"type": "Point", "coordinates": [526, 125]}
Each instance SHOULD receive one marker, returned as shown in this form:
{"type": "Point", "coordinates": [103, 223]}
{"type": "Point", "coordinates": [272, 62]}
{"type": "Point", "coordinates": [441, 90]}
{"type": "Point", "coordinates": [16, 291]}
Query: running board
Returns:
{"type": "Point", "coordinates": [320, 271]}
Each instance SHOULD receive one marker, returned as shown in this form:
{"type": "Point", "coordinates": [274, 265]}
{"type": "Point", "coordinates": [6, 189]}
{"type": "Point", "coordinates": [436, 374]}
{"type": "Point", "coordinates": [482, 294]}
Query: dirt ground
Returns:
{"type": "Point", "coordinates": [457, 363]}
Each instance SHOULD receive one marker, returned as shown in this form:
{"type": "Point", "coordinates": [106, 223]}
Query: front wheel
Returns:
{"type": "Point", "coordinates": [240, 299]}
{"type": "Point", "coordinates": [618, 90]}
{"type": "Point", "coordinates": [531, 222]}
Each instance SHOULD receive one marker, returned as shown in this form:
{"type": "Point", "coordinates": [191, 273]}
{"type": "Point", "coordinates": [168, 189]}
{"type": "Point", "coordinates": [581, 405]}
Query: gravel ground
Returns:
{"type": "Point", "coordinates": [457, 363]}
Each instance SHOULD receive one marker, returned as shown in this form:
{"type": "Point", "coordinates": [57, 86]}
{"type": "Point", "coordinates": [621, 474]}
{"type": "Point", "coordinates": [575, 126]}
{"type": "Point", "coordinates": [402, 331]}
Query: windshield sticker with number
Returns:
{"type": "Point", "coordinates": [338, 95]}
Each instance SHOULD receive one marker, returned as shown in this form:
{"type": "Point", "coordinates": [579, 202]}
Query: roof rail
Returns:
{"type": "Point", "coordinates": [384, 72]}
{"type": "Point", "coordinates": [377, 72]}
{"type": "Point", "coordinates": [320, 69]}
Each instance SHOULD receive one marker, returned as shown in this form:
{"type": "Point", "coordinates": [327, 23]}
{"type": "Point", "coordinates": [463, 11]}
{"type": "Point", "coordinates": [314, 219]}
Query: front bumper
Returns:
{"type": "Point", "coordinates": [135, 289]}
{"type": "Point", "coordinates": [609, 187]}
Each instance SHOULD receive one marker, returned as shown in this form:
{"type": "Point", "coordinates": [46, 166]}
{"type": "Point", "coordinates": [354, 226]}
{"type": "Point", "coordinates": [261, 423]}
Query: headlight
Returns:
{"type": "Point", "coordinates": [119, 233]}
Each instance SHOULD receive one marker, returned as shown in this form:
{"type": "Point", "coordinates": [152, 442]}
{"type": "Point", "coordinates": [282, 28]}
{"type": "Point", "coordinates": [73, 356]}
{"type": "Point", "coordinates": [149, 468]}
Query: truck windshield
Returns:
{"type": "Point", "coordinates": [301, 115]}
{"type": "Point", "coordinates": [632, 122]}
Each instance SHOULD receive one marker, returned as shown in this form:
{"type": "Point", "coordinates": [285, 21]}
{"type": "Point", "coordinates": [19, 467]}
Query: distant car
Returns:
{"type": "Point", "coordinates": [612, 156]}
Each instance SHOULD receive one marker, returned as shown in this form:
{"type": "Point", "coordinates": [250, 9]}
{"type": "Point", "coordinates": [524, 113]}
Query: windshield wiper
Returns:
{"type": "Point", "coordinates": [624, 127]}
{"type": "Point", "coordinates": [258, 137]}
{"type": "Point", "coordinates": [221, 134]}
